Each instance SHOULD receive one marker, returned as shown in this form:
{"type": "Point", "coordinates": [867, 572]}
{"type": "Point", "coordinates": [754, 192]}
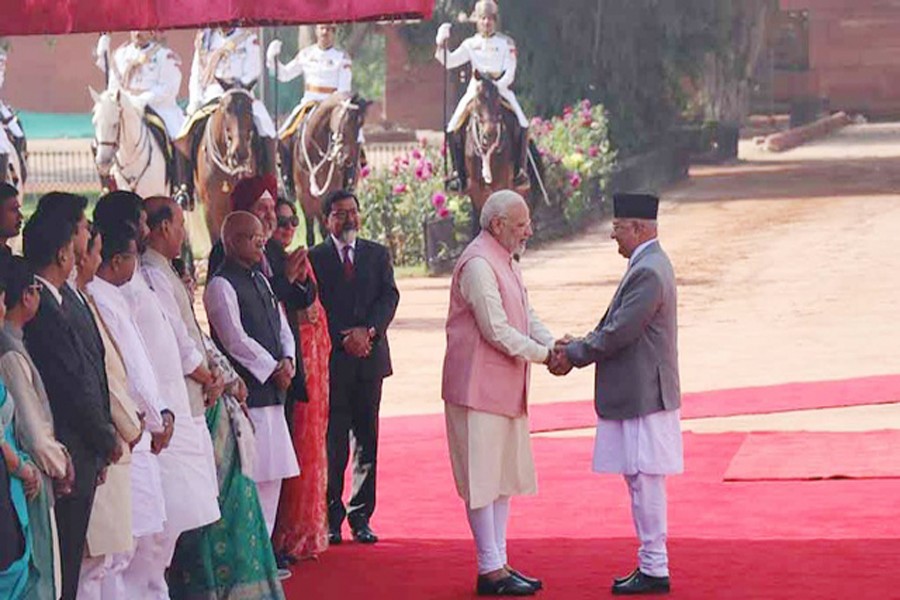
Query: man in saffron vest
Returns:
{"type": "Point", "coordinates": [492, 337]}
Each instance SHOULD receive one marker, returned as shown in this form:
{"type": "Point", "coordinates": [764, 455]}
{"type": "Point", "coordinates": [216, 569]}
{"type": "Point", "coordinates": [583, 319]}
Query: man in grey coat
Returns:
{"type": "Point", "coordinates": [637, 392]}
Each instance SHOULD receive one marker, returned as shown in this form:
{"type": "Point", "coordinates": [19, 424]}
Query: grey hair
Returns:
{"type": "Point", "coordinates": [497, 205]}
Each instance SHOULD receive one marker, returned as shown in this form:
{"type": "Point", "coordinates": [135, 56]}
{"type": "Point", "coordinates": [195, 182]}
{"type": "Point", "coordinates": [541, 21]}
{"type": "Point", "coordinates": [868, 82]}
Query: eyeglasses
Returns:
{"type": "Point", "coordinates": [342, 215]}
{"type": "Point", "coordinates": [285, 222]}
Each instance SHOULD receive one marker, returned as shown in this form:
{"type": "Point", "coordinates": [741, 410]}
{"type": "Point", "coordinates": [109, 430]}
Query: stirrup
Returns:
{"type": "Point", "coordinates": [454, 184]}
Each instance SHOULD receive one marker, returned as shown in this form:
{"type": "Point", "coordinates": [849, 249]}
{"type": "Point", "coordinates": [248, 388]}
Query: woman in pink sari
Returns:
{"type": "Point", "coordinates": [301, 530]}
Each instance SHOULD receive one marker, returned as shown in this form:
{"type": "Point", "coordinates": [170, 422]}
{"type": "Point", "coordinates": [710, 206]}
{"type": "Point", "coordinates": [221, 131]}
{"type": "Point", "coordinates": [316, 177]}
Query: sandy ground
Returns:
{"type": "Point", "coordinates": [787, 272]}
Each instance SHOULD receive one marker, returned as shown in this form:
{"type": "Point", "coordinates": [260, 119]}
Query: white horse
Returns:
{"type": "Point", "coordinates": [14, 172]}
{"type": "Point", "coordinates": [126, 149]}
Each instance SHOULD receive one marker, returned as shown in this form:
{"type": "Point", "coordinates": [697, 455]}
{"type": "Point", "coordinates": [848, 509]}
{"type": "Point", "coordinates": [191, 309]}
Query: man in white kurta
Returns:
{"type": "Point", "coordinates": [492, 337]}
{"type": "Point", "coordinates": [637, 395]}
{"type": "Point", "coordinates": [148, 500]}
{"type": "Point", "coordinates": [266, 374]}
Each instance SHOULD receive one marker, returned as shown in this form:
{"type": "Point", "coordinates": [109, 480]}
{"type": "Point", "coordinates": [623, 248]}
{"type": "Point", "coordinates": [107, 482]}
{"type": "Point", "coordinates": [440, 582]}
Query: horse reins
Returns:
{"type": "Point", "coordinates": [484, 153]}
{"type": "Point", "coordinates": [213, 151]}
{"type": "Point", "coordinates": [335, 148]}
{"type": "Point", "coordinates": [143, 145]}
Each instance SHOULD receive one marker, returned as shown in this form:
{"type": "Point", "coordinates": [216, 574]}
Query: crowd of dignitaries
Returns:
{"type": "Point", "coordinates": [146, 457]}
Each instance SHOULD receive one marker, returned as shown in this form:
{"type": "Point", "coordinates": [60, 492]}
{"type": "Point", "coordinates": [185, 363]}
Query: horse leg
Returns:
{"type": "Point", "coordinates": [310, 228]}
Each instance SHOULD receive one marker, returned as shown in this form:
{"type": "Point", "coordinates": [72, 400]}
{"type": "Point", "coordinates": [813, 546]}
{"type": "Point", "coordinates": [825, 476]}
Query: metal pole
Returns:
{"type": "Point", "coordinates": [444, 127]}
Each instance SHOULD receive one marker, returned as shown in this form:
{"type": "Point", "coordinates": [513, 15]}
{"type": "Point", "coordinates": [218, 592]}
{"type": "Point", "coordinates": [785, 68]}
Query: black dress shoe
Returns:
{"type": "Point", "coordinates": [364, 534]}
{"type": "Point", "coordinates": [334, 537]}
{"type": "Point", "coordinates": [627, 577]}
{"type": "Point", "coordinates": [508, 586]}
{"type": "Point", "coordinates": [639, 583]}
{"type": "Point", "coordinates": [537, 584]}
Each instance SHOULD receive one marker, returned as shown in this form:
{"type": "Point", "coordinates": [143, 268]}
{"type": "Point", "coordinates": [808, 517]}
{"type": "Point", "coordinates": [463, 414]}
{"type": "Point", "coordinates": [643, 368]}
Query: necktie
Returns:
{"type": "Point", "coordinates": [348, 264]}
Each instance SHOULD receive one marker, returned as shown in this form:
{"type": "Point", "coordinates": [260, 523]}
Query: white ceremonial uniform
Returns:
{"type": "Point", "coordinates": [324, 73]}
{"type": "Point", "coordinates": [189, 478]}
{"type": "Point", "coordinates": [238, 58]}
{"type": "Point", "coordinates": [6, 114]}
{"type": "Point", "coordinates": [494, 56]}
{"type": "Point", "coordinates": [138, 568]}
{"type": "Point", "coordinates": [151, 76]}
{"type": "Point", "coordinates": [275, 456]}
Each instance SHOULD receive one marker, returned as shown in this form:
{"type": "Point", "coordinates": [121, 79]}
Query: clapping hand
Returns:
{"type": "Point", "coordinates": [296, 267]}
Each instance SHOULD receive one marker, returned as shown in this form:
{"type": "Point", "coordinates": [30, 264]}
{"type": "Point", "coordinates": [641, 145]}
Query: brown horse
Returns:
{"type": "Point", "coordinates": [226, 153]}
{"type": "Point", "coordinates": [490, 159]}
{"type": "Point", "coordinates": [325, 153]}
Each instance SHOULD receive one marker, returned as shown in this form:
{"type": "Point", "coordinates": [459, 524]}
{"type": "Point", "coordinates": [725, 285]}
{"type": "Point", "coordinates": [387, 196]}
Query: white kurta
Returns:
{"type": "Point", "coordinates": [187, 465]}
{"type": "Point", "coordinates": [147, 495]}
{"type": "Point", "coordinates": [650, 444]}
{"type": "Point", "coordinates": [275, 456]}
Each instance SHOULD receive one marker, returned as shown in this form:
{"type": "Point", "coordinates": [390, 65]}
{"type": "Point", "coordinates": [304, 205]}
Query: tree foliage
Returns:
{"type": "Point", "coordinates": [639, 58]}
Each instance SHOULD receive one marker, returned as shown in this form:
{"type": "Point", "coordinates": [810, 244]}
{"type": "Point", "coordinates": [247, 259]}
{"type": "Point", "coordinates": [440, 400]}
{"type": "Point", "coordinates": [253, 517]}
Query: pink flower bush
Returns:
{"type": "Point", "coordinates": [593, 151]}
{"type": "Point", "coordinates": [443, 212]}
{"type": "Point", "coordinates": [365, 171]}
{"type": "Point", "coordinates": [575, 180]}
{"type": "Point", "coordinates": [439, 200]}
{"type": "Point", "coordinates": [400, 189]}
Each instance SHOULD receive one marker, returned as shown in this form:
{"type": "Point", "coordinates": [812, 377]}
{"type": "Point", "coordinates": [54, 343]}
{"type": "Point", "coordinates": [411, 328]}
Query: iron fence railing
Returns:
{"type": "Point", "coordinates": [74, 170]}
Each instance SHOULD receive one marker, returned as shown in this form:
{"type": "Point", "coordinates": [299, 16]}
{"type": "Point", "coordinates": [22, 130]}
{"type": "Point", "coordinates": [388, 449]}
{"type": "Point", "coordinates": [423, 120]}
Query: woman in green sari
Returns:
{"type": "Point", "coordinates": [22, 483]}
{"type": "Point", "coordinates": [231, 558]}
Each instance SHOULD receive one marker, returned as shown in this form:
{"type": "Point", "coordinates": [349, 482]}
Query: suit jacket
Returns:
{"type": "Point", "coordinates": [635, 345]}
{"type": "Point", "coordinates": [369, 300]}
{"type": "Point", "coordinates": [78, 401]}
{"type": "Point", "coordinates": [109, 530]}
{"type": "Point", "coordinates": [295, 297]}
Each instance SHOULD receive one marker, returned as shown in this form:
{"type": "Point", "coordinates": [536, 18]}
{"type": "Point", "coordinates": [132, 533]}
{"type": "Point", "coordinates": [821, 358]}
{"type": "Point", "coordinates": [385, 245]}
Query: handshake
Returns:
{"type": "Point", "coordinates": [557, 361]}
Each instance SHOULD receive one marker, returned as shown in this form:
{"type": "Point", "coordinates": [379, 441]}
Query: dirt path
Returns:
{"type": "Point", "coordinates": [787, 272]}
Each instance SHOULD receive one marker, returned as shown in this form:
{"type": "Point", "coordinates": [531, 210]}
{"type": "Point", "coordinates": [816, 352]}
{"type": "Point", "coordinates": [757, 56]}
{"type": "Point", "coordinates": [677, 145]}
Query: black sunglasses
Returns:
{"type": "Point", "coordinates": [292, 221]}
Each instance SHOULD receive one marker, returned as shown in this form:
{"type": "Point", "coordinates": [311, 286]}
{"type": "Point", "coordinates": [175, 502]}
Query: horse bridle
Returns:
{"type": "Point", "coordinates": [215, 153]}
{"type": "Point", "coordinates": [142, 144]}
{"type": "Point", "coordinates": [333, 155]}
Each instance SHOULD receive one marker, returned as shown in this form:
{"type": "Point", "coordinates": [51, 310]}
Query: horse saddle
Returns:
{"type": "Point", "coordinates": [157, 128]}
{"type": "Point", "coordinates": [465, 117]}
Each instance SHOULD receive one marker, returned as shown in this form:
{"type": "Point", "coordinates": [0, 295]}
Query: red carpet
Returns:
{"type": "Point", "coordinates": [759, 540]}
{"type": "Point", "coordinates": [882, 389]}
{"type": "Point", "coordinates": [819, 455]}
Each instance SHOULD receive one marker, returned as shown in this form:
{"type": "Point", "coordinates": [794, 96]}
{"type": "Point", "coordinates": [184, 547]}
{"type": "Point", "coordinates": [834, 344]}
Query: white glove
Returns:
{"type": "Point", "coordinates": [103, 44]}
{"type": "Point", "coordinates": [272, 53]}
{"type": "Point", "coordinates": [443, 34]}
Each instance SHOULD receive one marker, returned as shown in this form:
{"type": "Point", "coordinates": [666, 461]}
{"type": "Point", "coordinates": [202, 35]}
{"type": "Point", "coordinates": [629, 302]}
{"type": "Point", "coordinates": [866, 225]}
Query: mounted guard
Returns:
{"type": "Point", "coordinates": [493, 58]}
{"type": "Point", "coordinates": [226, 58]}
{"type": "Point", "coordinates": [321, 141]}
{"type": "Point", "coordinates": [148, 72]}
{"type": "Point", "coordinates": [326, 70]}
{"type": "Point", "coordinates": [13, 147]}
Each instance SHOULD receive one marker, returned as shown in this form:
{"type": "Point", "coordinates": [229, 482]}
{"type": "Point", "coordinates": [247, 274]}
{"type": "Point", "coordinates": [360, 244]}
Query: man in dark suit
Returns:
{"type": "Point", "coordinates": [61, 343]}
{"type": "Point", "coordinates": [360, 297]}
{"type": "Point", "coordinates": [637, 392]}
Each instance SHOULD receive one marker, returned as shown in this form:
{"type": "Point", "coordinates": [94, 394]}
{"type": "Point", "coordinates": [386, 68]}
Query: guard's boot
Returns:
{"type": "Point", "coordinates": [457, 148]}
{"type": "Point", "coordinates": [270, 156]}
{"type": "Point", "coordinates": [520, 153]}
{"type": "Point", "coordinates": [183, 184]}
{"type": "Point", "coordinates": [4, 166]}
{"type": "Point", "coordinates": [287, 165]}
{"type": "Point", "coordinates": [21, 146]}
{"type": "Point", "coordinates": [363, 160]}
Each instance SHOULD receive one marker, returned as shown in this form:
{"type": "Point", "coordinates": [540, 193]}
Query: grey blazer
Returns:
{"type": "Point", "coordinates": [635, 345]}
